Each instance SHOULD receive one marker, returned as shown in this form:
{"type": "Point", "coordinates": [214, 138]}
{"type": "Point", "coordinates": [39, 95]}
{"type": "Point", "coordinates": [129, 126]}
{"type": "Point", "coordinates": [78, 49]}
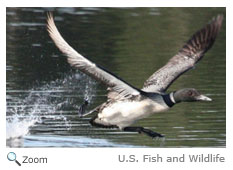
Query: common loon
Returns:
{"type": "Point", "coordinates": [125, 103]}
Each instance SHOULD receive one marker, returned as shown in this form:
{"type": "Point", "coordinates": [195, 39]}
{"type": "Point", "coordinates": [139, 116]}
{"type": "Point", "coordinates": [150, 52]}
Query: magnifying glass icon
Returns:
{"type": "Point", "coordinates": [11, 156]}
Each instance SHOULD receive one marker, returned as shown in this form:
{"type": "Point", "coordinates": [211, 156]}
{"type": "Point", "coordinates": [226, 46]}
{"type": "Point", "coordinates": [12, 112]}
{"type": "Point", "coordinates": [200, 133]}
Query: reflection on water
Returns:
{"type": "Point", "coordinates": [44, 93]}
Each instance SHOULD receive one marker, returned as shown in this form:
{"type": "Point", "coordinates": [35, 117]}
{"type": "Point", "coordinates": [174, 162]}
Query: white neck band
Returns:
{"type": "Point", "coordinates": [172, 97]}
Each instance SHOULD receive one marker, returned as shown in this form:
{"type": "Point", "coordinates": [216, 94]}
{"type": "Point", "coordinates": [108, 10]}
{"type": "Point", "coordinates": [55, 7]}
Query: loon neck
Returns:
{"type": "Point", "coordinates": [169, 99]}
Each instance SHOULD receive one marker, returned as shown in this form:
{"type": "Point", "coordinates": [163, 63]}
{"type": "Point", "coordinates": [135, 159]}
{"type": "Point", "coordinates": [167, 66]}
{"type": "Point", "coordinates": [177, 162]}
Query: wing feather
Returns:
{"type": "Point", "coordinates": [186, 58]}
{"type": "Point", "coordinates": [86, 66]}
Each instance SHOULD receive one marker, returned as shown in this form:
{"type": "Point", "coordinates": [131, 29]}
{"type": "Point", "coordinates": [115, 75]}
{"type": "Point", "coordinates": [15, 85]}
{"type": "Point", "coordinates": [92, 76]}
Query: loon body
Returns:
{"type": "Point", "coordinates": [126, 112]}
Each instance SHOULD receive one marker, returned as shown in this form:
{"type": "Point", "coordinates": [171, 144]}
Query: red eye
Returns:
{"type": "Point", "coordinates": [190, 93]}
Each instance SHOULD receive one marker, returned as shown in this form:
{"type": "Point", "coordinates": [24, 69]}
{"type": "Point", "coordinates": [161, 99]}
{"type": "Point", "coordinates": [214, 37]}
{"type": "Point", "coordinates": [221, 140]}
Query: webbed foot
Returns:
{"type": "Point", "coordinates": [82, 108]}
{"type": "Point", "coordinates": [148, 132]}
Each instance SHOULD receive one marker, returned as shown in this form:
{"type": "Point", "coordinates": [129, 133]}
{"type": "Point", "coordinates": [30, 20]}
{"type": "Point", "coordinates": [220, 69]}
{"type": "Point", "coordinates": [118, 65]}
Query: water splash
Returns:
{"type": "Point", "coordinates": [26, 108]}
{"type": "Point", "coordinates": [17, 126]}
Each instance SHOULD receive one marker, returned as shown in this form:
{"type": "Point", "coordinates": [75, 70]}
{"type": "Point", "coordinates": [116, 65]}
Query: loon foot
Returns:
{"type": "Point", "coordinates": [82, 108]}
{"type": "Point", "coordinates": [148, 132]}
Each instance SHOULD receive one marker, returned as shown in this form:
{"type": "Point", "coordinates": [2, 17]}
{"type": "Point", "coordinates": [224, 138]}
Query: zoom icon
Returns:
{"type": "Point", "coordinates": [11, 156]}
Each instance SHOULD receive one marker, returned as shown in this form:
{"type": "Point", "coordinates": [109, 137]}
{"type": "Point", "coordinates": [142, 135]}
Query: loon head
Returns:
{"type": "Point", "coordinates": [189, 95]}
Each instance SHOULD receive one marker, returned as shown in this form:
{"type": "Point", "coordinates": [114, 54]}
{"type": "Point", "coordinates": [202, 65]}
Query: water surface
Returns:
{"type": "Point", "coordinates": [44, 92]}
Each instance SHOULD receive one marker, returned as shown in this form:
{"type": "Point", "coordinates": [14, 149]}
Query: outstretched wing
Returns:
{"type": "Point", "coordinates": [186, 58]}
{"type": "Point", "coordinates": [86, 66]}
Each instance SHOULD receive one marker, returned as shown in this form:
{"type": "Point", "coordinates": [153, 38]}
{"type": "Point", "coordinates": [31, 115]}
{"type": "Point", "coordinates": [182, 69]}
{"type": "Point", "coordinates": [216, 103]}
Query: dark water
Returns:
{"type": "Point", "coordinates": [44, 92]}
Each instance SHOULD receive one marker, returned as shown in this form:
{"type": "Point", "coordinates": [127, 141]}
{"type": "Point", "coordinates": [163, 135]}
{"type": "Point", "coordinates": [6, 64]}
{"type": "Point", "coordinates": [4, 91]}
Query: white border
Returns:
{"type": "Point", "coordinates": [116, 3]}
{"type": "Point", "coordinates": [105, 158]}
